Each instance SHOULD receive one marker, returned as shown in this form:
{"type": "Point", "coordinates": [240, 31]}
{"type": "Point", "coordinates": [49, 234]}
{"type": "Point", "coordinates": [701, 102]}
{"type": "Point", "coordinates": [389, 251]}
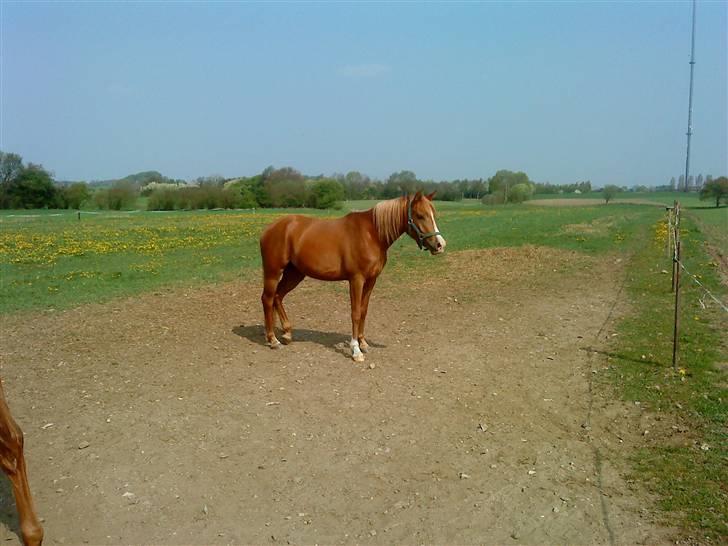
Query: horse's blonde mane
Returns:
{"type": "Point", "coordinates": [389, 218]}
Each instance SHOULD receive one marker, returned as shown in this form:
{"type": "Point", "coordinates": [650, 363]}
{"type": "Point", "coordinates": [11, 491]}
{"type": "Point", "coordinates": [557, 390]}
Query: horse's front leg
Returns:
{"type": "Point", "coordinates": [368, 287]}
{"type": "Point", "coordinates": [356, 289]}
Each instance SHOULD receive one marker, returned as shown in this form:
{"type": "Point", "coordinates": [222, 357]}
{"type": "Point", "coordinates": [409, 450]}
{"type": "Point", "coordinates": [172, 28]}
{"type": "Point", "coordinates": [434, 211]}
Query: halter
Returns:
{"type": "Point", "coordinates": [420, 236]}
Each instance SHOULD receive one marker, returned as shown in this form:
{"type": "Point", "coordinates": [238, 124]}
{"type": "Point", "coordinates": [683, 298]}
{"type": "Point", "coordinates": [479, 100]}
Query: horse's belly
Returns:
{"type": "Point", "coordinates": [328, 256]}
{"type": "Point", "coordinates": [319, 263]}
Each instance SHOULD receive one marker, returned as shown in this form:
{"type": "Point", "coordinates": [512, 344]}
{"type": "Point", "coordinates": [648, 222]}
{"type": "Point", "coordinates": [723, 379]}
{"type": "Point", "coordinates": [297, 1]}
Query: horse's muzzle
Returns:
{"type": "Point", "coordinates": [438, 247]}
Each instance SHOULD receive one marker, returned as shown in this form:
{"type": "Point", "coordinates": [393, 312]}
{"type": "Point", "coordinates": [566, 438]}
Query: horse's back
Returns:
{"type": "Point", "coordinates": [321, 248]}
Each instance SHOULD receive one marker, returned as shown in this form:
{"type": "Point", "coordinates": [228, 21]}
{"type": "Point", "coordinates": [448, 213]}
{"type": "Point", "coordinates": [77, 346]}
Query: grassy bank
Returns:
{"type": "Point", "coordinates": [685, 463]}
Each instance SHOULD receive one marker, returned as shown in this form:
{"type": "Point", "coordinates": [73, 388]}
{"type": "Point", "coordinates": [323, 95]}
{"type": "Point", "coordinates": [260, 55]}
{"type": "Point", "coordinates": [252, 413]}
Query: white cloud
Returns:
{"type": "Point", "coordinates": [371, 70]}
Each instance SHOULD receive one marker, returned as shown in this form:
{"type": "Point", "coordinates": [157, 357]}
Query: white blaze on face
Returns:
{"type": "Point", "coordinates": [438, 238]}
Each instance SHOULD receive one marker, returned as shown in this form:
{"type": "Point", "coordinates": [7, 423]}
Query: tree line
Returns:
{"type": "Point", "coordinates": [32, 186]}
{"type": "Point", "coordinates": [694, 183]}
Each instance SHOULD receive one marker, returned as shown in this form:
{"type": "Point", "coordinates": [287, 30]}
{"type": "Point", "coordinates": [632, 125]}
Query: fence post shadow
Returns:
{"type": "Point", "coordinates": [612, 354]}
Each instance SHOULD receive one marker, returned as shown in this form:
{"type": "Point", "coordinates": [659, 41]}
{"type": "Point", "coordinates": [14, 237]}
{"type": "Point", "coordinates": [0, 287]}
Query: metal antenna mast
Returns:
{"type": "Point", "coordinates": [690, 103]}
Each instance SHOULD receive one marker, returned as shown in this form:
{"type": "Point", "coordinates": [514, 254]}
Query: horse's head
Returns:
{"type": "Point", "coordinates": [421, 225]}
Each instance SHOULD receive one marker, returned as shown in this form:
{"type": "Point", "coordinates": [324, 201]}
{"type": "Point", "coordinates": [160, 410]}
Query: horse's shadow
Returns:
{"type": "Point", "coordinates": [328, 340]}
{"type": "Point", "coordinates": [8, 512]}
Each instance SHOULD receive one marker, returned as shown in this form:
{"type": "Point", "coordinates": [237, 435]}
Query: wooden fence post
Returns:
{"type": "Point", "coordinates": [676, 240]}
{"type": "Point", "coordinates": [669, 229]}
{"type": "Point", "coordinates": [676, 330]}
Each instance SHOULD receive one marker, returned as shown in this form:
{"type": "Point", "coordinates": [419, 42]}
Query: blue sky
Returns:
{"type": "Point", "coordinates": [562, 91]}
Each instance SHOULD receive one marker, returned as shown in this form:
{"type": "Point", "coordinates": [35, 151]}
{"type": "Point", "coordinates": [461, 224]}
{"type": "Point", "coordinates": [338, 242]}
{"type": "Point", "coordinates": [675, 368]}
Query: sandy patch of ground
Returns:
{"type": "Point", "coordinates": [479, 423]}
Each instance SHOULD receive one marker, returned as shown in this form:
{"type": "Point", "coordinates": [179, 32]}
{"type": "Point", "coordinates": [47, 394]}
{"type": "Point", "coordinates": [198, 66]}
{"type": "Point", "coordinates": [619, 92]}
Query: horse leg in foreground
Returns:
{"type": "Point", "coordinates": [12, 461]}
{"type": "Point", "coordinates": [367, 291]}
{"type": "Point", "coordinates": [356, 291]}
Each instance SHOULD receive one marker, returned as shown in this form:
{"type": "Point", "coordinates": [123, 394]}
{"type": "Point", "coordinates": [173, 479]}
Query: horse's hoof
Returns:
{"type": "Point", "coordinates": [287, 338]}
{"type": "Point", "coordinates": [358, 358]}
{"type": "Point", "coordinates": [364, 346]}
{"type": "Point", "coordinates": [274, 344]}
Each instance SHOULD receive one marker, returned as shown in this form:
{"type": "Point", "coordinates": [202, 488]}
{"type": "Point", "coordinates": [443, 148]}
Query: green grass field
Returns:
{"type": "Point", "coordinates": [690, 199]}
{"type": "Point", "coordinates": [52, 260]}
{"type": "Point", "coordinates": [713, 223]}
{"type": "Point", "coordinates": [689, 479]}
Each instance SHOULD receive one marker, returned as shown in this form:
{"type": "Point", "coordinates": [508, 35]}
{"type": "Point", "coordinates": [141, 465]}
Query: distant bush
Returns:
{"type": "Point", "coordinates": [247, 198]}
{"type": "Point", "coordinates": [194, 197]}
{"type": "Point", "coordinates": [520, 193]}
{"type": "Point", "coordinates": [228, 199]}
{"type": "Point", "coordinates": [325, 194]}
{"type": "Point", "coordinates": [609, 192]}
{"type": "Point", "coordinates": [163, 199]}
{"type": "Point", "coordinates": [122, 195]}
{"type": "Point", "coordinates": [75, 195]}
{"type": "Point", "coordinates": [517, 193]}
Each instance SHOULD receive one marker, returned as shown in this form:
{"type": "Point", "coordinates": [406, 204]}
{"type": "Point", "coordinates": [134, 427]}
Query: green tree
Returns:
{"type": "Point", "coordinates": [715, 189]}
{"type": "Point", "coordinates": [608, 192]}
{"type": "Point", "coordinates": [326, 193]}
{"type": "Point", "coordinates": [502, 182]}
{"type": "Point", "coordinates": [520, 193]}
{"type": "Point", "coordinates": [121, 195]}
{"type": "Point", "coordinates": [355, 185]}
{"type": "Point", "coordinates": [75, 195]}
{"type": "Point", "coordinates": [32, 188]}
{"type": "Point", "coordinates": [162, 199]}
{"type": "Point", "coordinates": [247, 198]}
{"type": "Point", "coordinates": [11, 166]}
{"type": "Point", "coordinates": [284, 187]}
{"type": "Point", "coordinates": [399, 183]}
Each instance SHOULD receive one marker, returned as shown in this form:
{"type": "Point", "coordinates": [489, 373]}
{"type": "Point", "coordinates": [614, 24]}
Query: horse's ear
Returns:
{"type": "Point", "coordinates": [417, 196]}
{"type": "Point", "coordinates": [430, 196]}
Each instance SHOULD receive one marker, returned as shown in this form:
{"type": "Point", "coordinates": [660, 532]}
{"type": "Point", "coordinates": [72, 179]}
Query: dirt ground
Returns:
{"type": "Point", "coordinates": [164, 419]}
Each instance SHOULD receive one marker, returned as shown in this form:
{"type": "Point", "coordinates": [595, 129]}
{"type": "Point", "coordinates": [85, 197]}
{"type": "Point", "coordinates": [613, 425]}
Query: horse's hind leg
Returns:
{"type": "Point", "coordinates": [268, 298]}
{"type": "Point", "coordinates": [12, 462]}
{"type": "Point", "coordinates": [291, 278]}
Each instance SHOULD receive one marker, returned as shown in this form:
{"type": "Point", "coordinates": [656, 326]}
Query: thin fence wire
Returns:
{"type": "Point", "coordinates": [707, 292]}
{"type": "Point", "coordinates": [673, 226]}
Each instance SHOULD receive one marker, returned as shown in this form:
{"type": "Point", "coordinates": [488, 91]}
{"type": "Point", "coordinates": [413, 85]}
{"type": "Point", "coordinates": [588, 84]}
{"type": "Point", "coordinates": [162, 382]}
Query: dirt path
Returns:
{"type": "Point", "coordinates": [172, 423]}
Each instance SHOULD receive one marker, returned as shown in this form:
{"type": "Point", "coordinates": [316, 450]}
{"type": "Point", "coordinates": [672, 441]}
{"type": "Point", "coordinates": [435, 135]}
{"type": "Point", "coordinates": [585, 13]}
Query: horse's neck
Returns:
{"type": "Point", "coordinates": [400, 230]}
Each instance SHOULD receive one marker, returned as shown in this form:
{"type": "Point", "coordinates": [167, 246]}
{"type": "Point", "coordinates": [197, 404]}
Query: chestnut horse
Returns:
{"type": "Point", "coordinates": [351, 248]}
{"type": "Point", "coordinates": [12, 462]}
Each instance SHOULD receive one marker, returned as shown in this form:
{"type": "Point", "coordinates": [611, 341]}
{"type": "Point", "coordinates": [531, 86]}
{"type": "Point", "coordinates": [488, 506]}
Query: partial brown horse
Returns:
{"type": "Point", "coordinates": [12, 461]}
{"type": "Point", "coordinates": [351, 248]}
